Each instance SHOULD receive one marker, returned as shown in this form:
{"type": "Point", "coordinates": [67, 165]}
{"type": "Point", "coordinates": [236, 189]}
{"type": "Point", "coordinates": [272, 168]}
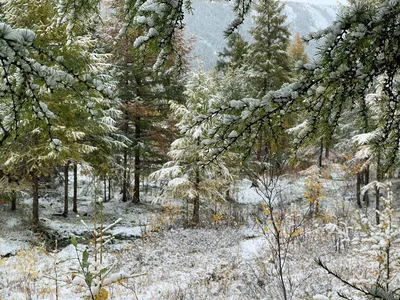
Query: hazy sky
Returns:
{"type": "Point", "coordinates": [329, 2]}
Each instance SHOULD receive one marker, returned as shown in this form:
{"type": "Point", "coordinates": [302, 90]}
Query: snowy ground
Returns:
{"type": "Point", "coordinates": [211, 262]}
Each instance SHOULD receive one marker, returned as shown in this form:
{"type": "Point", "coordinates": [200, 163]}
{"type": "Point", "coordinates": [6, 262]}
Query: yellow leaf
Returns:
{"type": "Point", "coordinates": [297, 232]}
{"type": "Point", "coordinates": [102, 295]}
{"type": "Point", "coordinates": [264, 206]}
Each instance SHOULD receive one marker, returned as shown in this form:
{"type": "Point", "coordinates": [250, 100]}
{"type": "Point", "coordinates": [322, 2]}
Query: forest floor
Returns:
{"type": "Point", "coordinates": [224, 258]}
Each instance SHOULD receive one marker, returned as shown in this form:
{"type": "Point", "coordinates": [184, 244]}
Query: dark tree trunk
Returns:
{"type": "Point", "coordinates": [358, 189]}
{"type": "Point", "coordinates": [75, 197]}
{"type": "Point", "coordinates": [366, 181]}
{"type": "Point", "coordinates": [377, 194]}
{"type": "Point", "coordinates": [105, 188]}
{"type": "Point", "coordinates": [109, 188]}
{"type": "Point", "coordinates": [66, 181]}
{"type": "Point", "coordinates": [13, 200]}
{"type": "Point", "coordinates": [136, 196]}
{"type": "Point", "coordinates": [35, 205]}
{"type": "Point", "coordinates": [125, 178]}
{"type": "Point", "coordinates": [125, 184]}
{"type": "Point", "coordinates": [228, 195]}
{"type": "Point", "coordinates": [196, 200]}
{"type": "Point", "coordinates": [187, 211]}
{"type": "Point", "coordinates": [321, 149]}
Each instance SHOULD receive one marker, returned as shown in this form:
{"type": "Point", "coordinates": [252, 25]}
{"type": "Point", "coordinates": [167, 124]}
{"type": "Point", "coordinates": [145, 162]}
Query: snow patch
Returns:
{"type": "Point", "coordinates": [253, 248]}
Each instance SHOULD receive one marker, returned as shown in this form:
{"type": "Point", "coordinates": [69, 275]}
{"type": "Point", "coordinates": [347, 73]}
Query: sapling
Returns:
{"type": "Point", "coordinates": [380, 244]}
{"type": "Point", "coordinates": [92, 274]}
{"type": "Point", "coordinates": [314, 192]}
{"type": "Point", "coordinates": [280, 223]}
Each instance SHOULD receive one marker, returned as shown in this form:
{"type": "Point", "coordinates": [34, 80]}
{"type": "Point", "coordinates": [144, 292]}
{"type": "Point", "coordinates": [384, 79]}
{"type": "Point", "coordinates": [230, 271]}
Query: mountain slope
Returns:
{"type": "Point", "coordinates": [211, 18]}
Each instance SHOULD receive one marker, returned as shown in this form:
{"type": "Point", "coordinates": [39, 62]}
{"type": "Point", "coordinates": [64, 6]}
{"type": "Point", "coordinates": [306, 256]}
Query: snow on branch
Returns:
{"type": "Point", "coordinates": [30, 75]}
{"type": "Point", "coordinates": [358, 50]}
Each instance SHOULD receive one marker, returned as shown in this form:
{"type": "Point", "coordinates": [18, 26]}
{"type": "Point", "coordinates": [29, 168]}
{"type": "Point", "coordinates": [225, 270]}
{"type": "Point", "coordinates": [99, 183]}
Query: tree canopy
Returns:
{"type": "Point", "coordinates": [360, 49]}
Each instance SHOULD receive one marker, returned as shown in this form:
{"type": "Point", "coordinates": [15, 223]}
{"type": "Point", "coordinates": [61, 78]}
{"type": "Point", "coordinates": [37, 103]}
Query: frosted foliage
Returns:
{"type": "Point", "coordinates": [188, 174]}
{"type": "Point", "coordinates": [179, 182]}
{"type": "Point", "coordinates": [13, 42]}
{"type": "Point", "coordinates": [76, 13]}
{"type": "Point", "coordinates": [40, 87]}
{"type": "Point", "coordinates": [140, 41]}
{"type": "Point", "coordinates": [115, 277]}
{"type": "Point", "coordinates": [79, 281]}
{"type": "Point", "coordinates": [364, 138]}
{"type": "Point", "coordinates": [380, 244]}
{"type": "Point", "coordinates": [350, 87]}
{"type": "Point", "coordinates": [320, 297]}
{"type": "Point", "coordinates": [167, 172]}
{"type": "Point", "coordinates": [157, 20]}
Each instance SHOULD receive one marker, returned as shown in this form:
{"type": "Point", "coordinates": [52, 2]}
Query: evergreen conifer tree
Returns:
{"type": "Point", "coordinates": [358, 49]}
{"type": "Point", "coordinates": [46, 100]}
{"type": "Point", "coordinates": [232, 57]}
{"type": "Point", "coordinates": [267, 64]}
{"type": "Point", "coordinates": [187, 173]}
{"type": "Point", "coordinates": [267, 60]}
{"type": "Point", "coordinates": [144, 92]}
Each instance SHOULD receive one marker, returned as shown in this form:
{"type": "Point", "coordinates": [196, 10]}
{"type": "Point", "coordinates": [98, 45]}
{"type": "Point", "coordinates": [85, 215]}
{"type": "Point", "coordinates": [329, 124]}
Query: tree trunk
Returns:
{"type": "Point", "coordinates": [125, 184]}
{"type": "Point", "coordinates": [66, 181]}
{"type": "Point", "coordinates": [326, 151]}
{"type": "Point", "coordinates": [136, 196]}
{"type": "Point", "coordinates": [228, 195]}
{"type": "Point", "coordinates": [75, 197]}
{"type": "Point", "coordinates": [280, 268]}
{"type": "Point", "coordinates": [105, 188]}
{"type": "Point", "coordinates": [321, 149]}
{"type": "Point", "coordinates": [125, 178]}
{"type": "Point", "coordinates": [366, 181]}
{"type": "Point", "coordinates": [377, 195]}
{"type": "Point", "coordinates": [109, 188]}
{"type": "Point", "coordinates": [187, 211]}
{"type": "Point", "coordinates": [196, 200]}
{"type": "Point", "coordinates": [13, 200]}
{"type": "Point", "coordinates": [358, 189]}
{"type": "Point", "coordinates": [35, 205]}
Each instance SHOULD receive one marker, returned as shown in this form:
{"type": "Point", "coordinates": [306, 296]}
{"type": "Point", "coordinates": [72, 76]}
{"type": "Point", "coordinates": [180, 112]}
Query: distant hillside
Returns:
{"type": "Point", "coordinates": [211, 18]}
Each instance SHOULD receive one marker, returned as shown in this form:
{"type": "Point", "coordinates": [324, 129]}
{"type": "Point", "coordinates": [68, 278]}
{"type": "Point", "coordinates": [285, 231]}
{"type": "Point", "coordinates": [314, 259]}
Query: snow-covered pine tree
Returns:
{"type": "Point", "coordinates": [267, 60]}
{"type": "Point", "coordinates": [144, 92]}
{"type": "Point", "coordinates": [232, 56]}
{"type": "Point", "coordinates": [188, 174]}
{"type": "Point", "coordinates": [267, 63]}
{"type": "Point", "coordinates": [48, 100]}
{"type": "Point", "coordinates": [360, 47]}
{"type": "Point", "coordinates": [158, 21]}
